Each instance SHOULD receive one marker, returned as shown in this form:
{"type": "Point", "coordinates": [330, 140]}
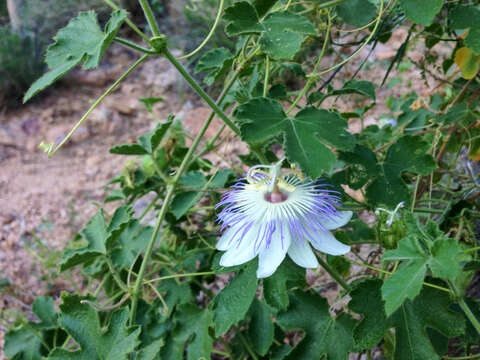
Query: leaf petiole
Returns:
{"type": "Point", "coordinates": [134, 46]}
{"type": "Point", "coordinates": [179, 276]}
{"type": "Point", "coordinates": [97, 102]}
{"type": "Point", "coordinates": [390, 273]}
{"type": "Point", "coordinates": [128, 21]}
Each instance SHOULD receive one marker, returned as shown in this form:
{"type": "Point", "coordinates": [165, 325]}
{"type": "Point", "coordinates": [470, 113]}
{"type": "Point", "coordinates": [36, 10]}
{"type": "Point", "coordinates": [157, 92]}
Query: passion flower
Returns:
{"type": "Point", "coordinates": [275, 213]}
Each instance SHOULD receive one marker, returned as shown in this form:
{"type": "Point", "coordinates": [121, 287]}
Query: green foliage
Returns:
{"type": "Point", "coordinates": [309, 312]}
{"type": "Point", "coordinates": [421, 12]}
{"type": "Point", "coordinates": [23, 344]}
{"type": "Point", "coordinates": [82, 323]}
{"type": "Point", "coordinates": [96, 238]}
{"type": "Point", "coordinates": [467, 17]}
{"type": "Point", "coordinates": [261, 329]}
{"type": "Point", "coordinates": [304, 136]}
{"type": "Point", "coordinates": [367, 301]}
{"type": "Point", "coordinates": [30, 340]}
{"type": "Point", "coordinates": [262, 6]}
{"type": "Point", "coordinates": [21, 61]}
{"type": "Point", "coordinates": [67, 52]}
{"type": "Point", "coordinates": [216, 62]}
{"type": "Point", "coordinates": [233, 302]}
{"type": "Point", "coordinates": [193, 323]}
{"type": "Point", "coordinates": [277, 286]}
{"type": "Point", "coordinates": [131, 241]}
{"type": "Point", "coordinates": [408, 154]}
{"type": "Point", "coordinates": [146, 144]}
{"type": "Point", "coordinates": [22, 48]}
{"type": "Point", "coordinates": [412, 340]}
{"type": "Point", "coordinates": [357, 12]}
{"type": "Point", "coordinates": [242, 18]}
{"type": "Point", "coordinates": [365, 88]}
{"type": "Point", "coordinates": [282, 33]}
{"type": "Point", "coordinates": [441, 255]}
{"type": "Point", "coordinates": [157, 289]}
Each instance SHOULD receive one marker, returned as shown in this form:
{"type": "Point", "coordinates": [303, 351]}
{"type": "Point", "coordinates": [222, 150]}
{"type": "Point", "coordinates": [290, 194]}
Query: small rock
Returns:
{"type": "Point", "coordinates": [6, 138]}
{"type": "Point", "coordinates": [97, 77]}
{"type": "Point", "coordinates": [47, 115]}
{"type": "Point", "coordinates": [6, 219]}
{"type": "Point", "coordinates": [31, 125]}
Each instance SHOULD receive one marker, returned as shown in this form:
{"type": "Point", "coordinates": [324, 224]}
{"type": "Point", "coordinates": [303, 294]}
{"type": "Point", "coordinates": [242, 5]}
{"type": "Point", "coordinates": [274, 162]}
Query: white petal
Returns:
{"type": "Point", "coordinates": [303, 255]}
{"type": "Point", "coordinates": [270, 258]}
{"type": "Point", "coordinates": [338, 220]}
{"type": "Point", "coordinates": [327, 243]}
{"type": "Point", "coordinates": [226, 241]}
{"type": "Point", "coordinates": [239, 253]}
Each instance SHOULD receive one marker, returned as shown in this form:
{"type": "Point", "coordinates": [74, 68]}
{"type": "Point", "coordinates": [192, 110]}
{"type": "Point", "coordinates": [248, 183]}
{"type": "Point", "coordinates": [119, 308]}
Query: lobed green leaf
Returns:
{"type": "Point", "coordinates": [82, 323]}
{"type": "Point", "coordinates": [81, 40]}
{"type": "Point", "coordinates": [421, 12]}
{"type": "Point", "coordinates": [232, 303]}
{"type": "Point", "coordinates": [323, 335]}
{"type": "Point", "coordinates": [304, 137]}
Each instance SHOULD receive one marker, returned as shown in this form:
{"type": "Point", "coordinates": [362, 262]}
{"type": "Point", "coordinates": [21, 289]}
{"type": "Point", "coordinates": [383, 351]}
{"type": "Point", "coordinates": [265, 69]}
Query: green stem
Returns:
{"type": "Point", "coordinates": [428, 211]}
{"type": "Point", "coordinates": [267, 70]}
{"type": "Point", "coordinates": [219, 352]}
{"type": "Point", "coordinates": [469, 314]}
{"type": "Point", "coordinates": [222, 95]}
{"type": "Point", "coordinates": [210, 34]}
{"type": "Point", "coordinates": [258, 153]}
{"type": "Point", "coordinates": [334, 274]}
{"type": "Point", "coordinates": [377, 23]}
{"type": "Point", "coordinates": [115, 275]}
{"type": "Point", "coordinates": [158, 170]}
{"type": "Point", "coordinates": [201, 208]}
{"type": "Point", "coordinates": [148, 251]}
{"type": "Point", "coordinates": [128, 21]}
{"type": "Point", "coordinates": [113, 298]}
{"type": "Point", "coordinates": [390, 273]}
{"type": "Point", "coordinates": [227, 347]}
{"type": "Point", "coordinates": [96, 103]}
{"type": "Point", "coordinates": [415, 194]}
{"type": "Point", "coordinates": [210, 144]}
{"type": "Point", "coordinates": [100, 286]}
{"type": "Point", "coordinates": [247, 345]}
{"type": "Point", "coordinates": [331, 3]}
{"type": "Point", "coordinates": [149, 207]}
{"type": "Point", "coordinates": [311, 79]}
{"type": "Point", "coordinates": [474, 356]}
{"type": "Point", "coordinates": [37, 335]}
{"type": "Point", "coordinates": [74, 284]}
{"type": "Point", "coordinates": [183, 166]}
{"type": "Point", "coordinates": [163, 210]}
{"type": "Point", "coordinates": [65, 343]}
{"type": "Point", "coordinates": [179, 276]}
{"type": "Point", "coordinates": [147, 11]}
{"type": "Point", "coordinates": [434, 200]}
{"type": "Point", "coordinates": [472, 249]}
{"type": "Point", "coordinates": [191, 81]}
{"type": "Point", "coordinates": [134, 46]}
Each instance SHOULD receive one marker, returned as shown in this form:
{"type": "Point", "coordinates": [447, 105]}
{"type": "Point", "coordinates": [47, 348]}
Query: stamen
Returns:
{"type": "Point", "coordinates": [275, 197]}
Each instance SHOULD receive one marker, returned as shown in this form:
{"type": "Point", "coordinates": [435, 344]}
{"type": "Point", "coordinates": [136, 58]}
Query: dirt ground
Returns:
{"type": "Point", "coordinates": [47, 200]}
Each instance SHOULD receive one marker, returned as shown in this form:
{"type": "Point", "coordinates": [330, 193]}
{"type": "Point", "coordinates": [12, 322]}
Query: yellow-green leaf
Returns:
{"type": "Point", "coordinates": [468, 62]}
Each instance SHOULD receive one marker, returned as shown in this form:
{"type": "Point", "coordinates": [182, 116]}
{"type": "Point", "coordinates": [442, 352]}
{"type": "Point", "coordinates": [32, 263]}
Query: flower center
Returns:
{"type": "Point", "coordinates": [275, 197]}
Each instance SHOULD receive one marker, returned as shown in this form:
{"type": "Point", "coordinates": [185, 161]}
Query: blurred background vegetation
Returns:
{"type": "Point", "coordinates": [27, 28]}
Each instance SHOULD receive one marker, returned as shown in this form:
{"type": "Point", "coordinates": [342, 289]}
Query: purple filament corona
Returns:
{"type": "Point", "coordinates": [302, 211]}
